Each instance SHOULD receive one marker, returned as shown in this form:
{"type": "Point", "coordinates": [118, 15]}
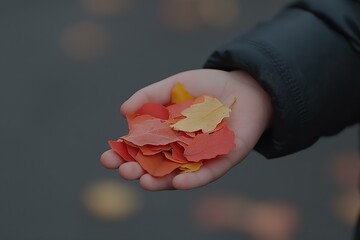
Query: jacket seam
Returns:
{"type": "Point", "coordinates": [284, 72]}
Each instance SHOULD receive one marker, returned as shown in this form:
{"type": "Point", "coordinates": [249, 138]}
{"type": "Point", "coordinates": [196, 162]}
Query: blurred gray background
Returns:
{"type": "Point", "coordinates": [66, 67]}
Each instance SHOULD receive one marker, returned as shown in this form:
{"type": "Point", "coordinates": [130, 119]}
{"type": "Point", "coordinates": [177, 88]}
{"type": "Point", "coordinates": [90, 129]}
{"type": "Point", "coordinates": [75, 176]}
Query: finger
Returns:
{"type": "Point", "coordinates": [157, 92]}
{"type": "Point", "coordinates": [110, 160]}
{"type": "Point", "coordinates": [196, 82]}
{"type": "Point", "coordinates": [131, 171]}
{"type": "Point", "coordinates": [213, 170]}
{"type": "Point", "coordinates": [151, 183]}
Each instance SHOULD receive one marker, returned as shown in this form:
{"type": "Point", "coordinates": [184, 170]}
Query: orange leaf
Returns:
{"type": "Point", "coordinates": [156, 165]}
{"type": "Point", "coordinates": [120, 148]}
{"type": "Point", "coordinates": [203, 116]}
{"type": "Point", "coordinates": [208, 146]}
{"type": "Point", "coordinates": [180, 94]}
{"type": "Point", "coordinates": [153, 149]}
{"type": "Point", "coordinates": [134, 119]}
{"type": "Point", "coordinates": [133, 151]}
{"type": "Point", "coordinates": [177, 153]}
{"type": "Point", "coordinates": [152, 132]}
{"type": "Point", "coordinates": [154, 109]}
{"type": "Point", "coordinates": [190, 167]}
{"type": "Point", "coordinates": [191, 134]}
{"type": "Point", "coordinates": [130, 144]}
{"type": "Point", "coordinates": [219, 126]}
{"type": "Point", "coordinates": [200, 99]}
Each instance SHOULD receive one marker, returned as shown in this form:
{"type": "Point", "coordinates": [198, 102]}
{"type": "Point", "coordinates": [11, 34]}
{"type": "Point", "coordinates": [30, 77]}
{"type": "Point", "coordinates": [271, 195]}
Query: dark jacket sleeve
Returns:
{"type": "Point", "coordinates": [308, 59]}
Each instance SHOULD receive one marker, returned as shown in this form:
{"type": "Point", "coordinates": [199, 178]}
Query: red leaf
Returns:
{"type": "Point", "coordinates": [192, 134]}
{"type": "Point", "coordinates": [120, 148]}
{"type": "Point", "coordinates": [156, 165]}
{"type": "Point", "coordinates": [207, 146]}
{"type": "Point", "coordinates": [154, 109]}
{"type": "Point", "coordinates": [176, 109]}
{"type": "Point", "coordinates": [184, 145]}
{"type": "Point", "coordinates": [152, 132]}
{"type": "Point", "coordinates": [184, 138]}
{"type": "Point", "coordinates": [178, 152]}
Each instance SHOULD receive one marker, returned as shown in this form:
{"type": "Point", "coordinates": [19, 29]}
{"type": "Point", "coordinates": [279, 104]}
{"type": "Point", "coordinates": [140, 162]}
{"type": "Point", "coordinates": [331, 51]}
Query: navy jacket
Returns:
{"type": "Point", "coordinates": [308, 59]}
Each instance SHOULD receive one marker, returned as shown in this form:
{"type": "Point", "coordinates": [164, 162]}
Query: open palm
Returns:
{"type": "Point", "coordinates": [250, 116]}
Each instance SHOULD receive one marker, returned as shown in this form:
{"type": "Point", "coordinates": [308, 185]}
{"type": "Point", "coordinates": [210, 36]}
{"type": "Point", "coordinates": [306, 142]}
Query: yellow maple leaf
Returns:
{"type": "Point", "coordinates": [203, 116]}
{"type": "Point", "coordinates": [180, 94]}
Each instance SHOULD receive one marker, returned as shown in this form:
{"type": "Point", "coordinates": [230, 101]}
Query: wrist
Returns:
{"type": "Point", "coordinates": [260, 98]}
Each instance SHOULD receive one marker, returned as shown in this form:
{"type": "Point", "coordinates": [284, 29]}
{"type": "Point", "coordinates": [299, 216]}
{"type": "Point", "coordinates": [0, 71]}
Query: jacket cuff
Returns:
{"type": "Point", "coordinates": [307, 59]}
{"type": "Point", "coordinates": [265, 64]}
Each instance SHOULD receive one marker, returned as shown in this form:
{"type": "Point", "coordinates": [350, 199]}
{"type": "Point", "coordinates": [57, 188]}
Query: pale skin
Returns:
{"type": "Point", "coordinates": [249, 118]}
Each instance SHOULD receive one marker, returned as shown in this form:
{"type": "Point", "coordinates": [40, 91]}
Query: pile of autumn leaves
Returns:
{"type": "Point", "coordinates": [178, 137]}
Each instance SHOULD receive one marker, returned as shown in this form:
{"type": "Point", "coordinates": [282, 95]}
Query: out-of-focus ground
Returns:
{"type": "Point", "coordinates": [66, 66]}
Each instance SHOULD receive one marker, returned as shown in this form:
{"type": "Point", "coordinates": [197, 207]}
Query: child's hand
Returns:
{"type": "Point", "coordinates": [250, 116]}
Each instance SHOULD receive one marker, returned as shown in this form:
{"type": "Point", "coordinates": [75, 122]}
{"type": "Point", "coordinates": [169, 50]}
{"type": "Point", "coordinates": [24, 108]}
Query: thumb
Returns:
{"type": "Point", "coordinates": [197, 82]}
{"type": "Point", "coordinates": [158, 92]}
